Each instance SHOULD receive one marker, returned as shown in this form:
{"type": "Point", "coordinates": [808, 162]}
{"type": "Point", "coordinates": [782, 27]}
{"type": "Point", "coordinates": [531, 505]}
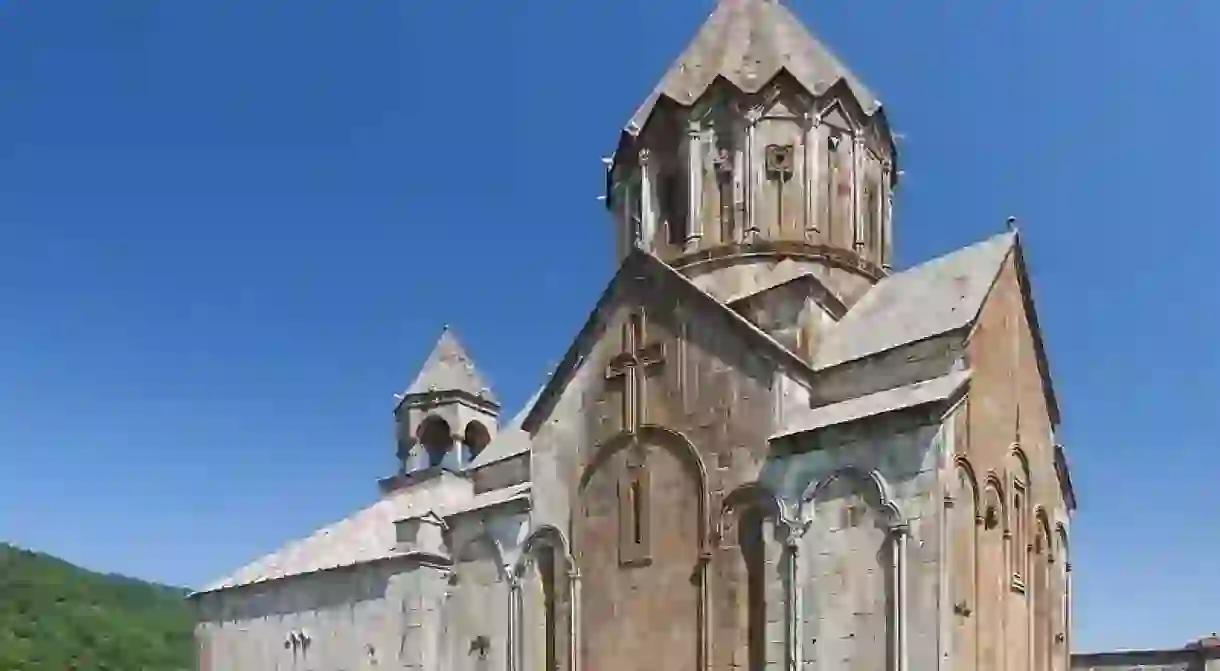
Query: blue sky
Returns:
{"type": "Point", "coordinates": [229, 232]}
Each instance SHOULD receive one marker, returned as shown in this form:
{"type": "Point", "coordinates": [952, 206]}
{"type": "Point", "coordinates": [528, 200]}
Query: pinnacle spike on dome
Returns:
{"type": "Point", "coordinates": [748, 42]}
{"type": "Point", "coordinates": [449, 368]}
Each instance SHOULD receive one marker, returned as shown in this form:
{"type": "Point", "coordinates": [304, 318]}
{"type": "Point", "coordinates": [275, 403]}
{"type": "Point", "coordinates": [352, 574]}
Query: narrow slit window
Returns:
{"type": "Point", "coordinates": [1020, 539]}
{"type": "Point", "coordinates": [633, 530]}
{"type": "Point", "coordinates": [674, 204]}
{"type": "Point", "coordinates": [637, 512]}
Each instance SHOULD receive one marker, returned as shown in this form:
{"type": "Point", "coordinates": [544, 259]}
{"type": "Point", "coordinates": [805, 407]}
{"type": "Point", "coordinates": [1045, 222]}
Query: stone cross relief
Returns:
{"type": "Point", "coordinates": [631, 368]}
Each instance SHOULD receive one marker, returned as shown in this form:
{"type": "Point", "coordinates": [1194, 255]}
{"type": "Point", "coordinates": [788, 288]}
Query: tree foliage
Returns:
{"type": "Point", "coordinates": [58, 617]}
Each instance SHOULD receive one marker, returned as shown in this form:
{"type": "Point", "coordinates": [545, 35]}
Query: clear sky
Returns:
{"type": "Point", "coordinates": [230, 231]}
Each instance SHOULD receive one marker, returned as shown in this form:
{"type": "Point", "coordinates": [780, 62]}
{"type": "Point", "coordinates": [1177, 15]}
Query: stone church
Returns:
{"type": "Point", "coordinates": [766, 448]}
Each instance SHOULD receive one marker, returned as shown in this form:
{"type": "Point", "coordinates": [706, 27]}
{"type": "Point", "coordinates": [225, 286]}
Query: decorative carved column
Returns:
{"type": "Point", "coordinates": [887, 215]}
{"type": "Point", "coordinates": [512, 643]}
{"type": "Point", "coordinates": [648, 215]}
{"type": "Point", "coordinates": [857, 174]}
{"type": "Point", "coordinates": [753, 173]}
{"type": "Point", "coordinates": [945, 640]}
{"type": "Point", "coordinates": [1067, 613]}
{"type": "Point", "coordinates": [792, 597]}
{"type": "Point", "coordinates": [898, 637]}
{"type": "Point", "coordinates": [574, 619]}
{"type": "Point", "coordinates": [620, 195]}
{"type": "Point", "coordinates": [811, 171]}
{"type": "Point", "coordinates": [705, 609]}
{"type": "Point", "coordinates": [694, 190]}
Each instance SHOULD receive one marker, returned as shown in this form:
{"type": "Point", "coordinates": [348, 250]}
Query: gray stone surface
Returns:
{"type": "Point", "coordinates": [763, 449]}
{"type": "Point", "coordinates": [748, 42]}
{"type": "Point", "coordinates": [1193, 657]}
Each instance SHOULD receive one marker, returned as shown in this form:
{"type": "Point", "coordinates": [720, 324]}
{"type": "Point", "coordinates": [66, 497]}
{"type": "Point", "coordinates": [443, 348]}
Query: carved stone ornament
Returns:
{"type": "Point", "coordinates": [780, 161]}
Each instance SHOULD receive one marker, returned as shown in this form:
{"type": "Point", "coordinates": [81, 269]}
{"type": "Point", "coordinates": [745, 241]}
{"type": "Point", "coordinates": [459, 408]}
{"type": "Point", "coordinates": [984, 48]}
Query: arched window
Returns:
{"type": "Point", "coordinates": [436, 437]}
{"type": "Point", "coordinates": [475, 438]}
{"type": "Point", "coordinates": [1018, 473]}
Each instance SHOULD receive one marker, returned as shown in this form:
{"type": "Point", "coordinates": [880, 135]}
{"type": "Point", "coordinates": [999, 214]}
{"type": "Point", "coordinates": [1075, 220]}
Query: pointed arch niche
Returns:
{"type": "Point", "coordinates": [622, 587]}
{"type": "Point", "coordinates": [1019, 536]}
{"type": "Point", "coordinates": [1019, 524]}
{"type": "Point", "coordinates": [547, 593]}
{"type": "Point", "coordinates": [994, 577]}
{"type": "Point", "coordinates": [962, 515]}
{"type": "Point", "coordinates": [1042, 600]}
{"type": "Point", "coordinates": [1061, 591]}
{"type": "Point", "coordinates": [754, 569]}
{"type": "Point", "coordinates": [853, 611]}
{"type": "Point", "coordinates": [481, 592]}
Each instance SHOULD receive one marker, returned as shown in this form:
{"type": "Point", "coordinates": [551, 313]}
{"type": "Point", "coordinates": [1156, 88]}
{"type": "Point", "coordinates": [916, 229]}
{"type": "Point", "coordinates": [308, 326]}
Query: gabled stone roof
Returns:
{"type": "Point", "coordinates": [879, 403]}
{"type": "Point", "coordinates": [368, 535]}
{"type": "Point", "coordinates": [748, 42]}
{"type": "Point", "coordinates": [927, 300]}
{"type": "Point", "coordinates": [641, 263]}
{"type": "Point", "coordinates": [449, 368]}
{"type": "Point", "coordinates": [364, 536]}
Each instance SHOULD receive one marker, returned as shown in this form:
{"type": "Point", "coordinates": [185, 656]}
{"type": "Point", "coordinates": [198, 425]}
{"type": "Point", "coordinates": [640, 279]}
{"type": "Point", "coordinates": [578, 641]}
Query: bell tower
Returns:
{"type": "Point", "coordinates": [446, 416]}
{"type": "Point", "coordinates": [757, 146]}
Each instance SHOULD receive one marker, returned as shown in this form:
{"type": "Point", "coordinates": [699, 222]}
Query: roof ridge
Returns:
{"type": "Point", "coordinates": [933, 297]}
{"type": "Point", "coordinates": [639, 260]}
{"type": "Point", "coordinates": [733, 315]}
{"type": "Point", "coordinates": [748, 43]}
{"type": "Point", "coordinates": [449, 367]}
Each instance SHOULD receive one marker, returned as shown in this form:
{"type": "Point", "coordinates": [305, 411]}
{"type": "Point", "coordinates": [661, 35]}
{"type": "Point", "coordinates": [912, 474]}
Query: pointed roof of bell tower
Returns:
{"type": "Point", "coordinates": [748, 42]}
{"type": "Point", "coordinates": [449, 369]}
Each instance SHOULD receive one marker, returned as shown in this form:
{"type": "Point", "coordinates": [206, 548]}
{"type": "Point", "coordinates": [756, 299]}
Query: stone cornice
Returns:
{"type": "Point", "coordinates": [837, 257]}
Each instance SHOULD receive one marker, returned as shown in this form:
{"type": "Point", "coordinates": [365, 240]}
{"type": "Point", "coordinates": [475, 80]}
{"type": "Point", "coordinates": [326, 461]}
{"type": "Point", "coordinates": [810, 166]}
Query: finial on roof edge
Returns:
{"type": "Point", "coordinates": [1011, 223]}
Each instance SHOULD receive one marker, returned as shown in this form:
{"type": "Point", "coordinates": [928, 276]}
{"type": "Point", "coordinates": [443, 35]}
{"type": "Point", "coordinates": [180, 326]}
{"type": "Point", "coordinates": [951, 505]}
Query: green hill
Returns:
{"type": "Point", "coordinates": [58, 617]}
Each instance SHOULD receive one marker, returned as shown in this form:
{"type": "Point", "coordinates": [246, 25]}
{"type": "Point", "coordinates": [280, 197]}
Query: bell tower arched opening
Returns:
{"type": "Point", "coordinates": [437, 439]}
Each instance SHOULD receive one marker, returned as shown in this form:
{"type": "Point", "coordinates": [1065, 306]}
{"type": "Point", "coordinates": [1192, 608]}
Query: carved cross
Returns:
{"type": "Point", "coordinates": [631, 366]}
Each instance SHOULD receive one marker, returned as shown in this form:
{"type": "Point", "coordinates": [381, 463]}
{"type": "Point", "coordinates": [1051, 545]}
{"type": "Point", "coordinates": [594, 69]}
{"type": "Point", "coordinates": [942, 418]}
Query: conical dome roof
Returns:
{"type": "Point", "coordinates": [748, 42]}
{"type": "Point", "coordinates": [449, 368]}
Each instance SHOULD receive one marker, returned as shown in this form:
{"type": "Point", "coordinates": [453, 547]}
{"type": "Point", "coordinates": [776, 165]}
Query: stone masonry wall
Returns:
{"type": "Point", "coordinates": [904, 452]}
{"type": "Point", "coordinates": [382, 614]}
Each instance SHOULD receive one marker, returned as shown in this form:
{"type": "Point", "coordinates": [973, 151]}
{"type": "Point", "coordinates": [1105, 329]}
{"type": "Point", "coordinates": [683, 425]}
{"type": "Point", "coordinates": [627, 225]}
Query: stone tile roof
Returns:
{"type": "Point", "coordinates": [927, 300]}
{"type": "Point", "coordinates": [784, 273]}
{"type": "Point", "coordinates": [489, 499]}
{"type": "Point", "coordinates": [890, 400]}
{"type": "Point", "coordinates": [510, 440]}
{"type": "Point", "coordinates": [748, 42]}
{"type": "Point", "coordinates": [366, 535]}
{"type": "Point", "coordinates": [449, 368]}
